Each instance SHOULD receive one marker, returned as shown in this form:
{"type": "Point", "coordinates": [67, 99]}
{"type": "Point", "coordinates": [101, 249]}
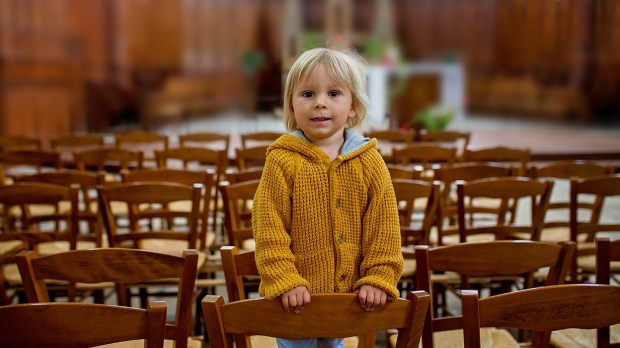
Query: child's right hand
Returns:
{"type": "Point", "coordinates": [294, 299]}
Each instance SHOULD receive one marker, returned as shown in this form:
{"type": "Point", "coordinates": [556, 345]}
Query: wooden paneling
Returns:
{"type": "Point", "coordinates": [40, 73]}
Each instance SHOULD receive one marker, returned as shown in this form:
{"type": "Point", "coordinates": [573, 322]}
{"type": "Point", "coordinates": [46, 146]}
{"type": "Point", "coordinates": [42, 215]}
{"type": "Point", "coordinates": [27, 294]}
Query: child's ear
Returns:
{"type": "Point", "coordinates": [351, 113]}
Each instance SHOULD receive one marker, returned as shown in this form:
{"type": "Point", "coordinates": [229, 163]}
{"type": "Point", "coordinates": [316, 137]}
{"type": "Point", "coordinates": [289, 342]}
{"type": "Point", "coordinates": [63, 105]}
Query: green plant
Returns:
{"type": "Point", "coordinates": [434, 117]}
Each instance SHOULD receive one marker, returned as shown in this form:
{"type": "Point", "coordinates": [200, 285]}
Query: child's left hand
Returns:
{"type": "Point", "coordinates": [371, 297]}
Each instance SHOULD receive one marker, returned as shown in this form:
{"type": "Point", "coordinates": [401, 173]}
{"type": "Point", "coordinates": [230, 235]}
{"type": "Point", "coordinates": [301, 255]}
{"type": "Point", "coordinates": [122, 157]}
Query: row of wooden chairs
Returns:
{"type": "Point", "coordinates": [494, 248]}
{"type": "Point", "coordinates": [477, 259]}
{"type": "Point", "coordinates": [215, 140]}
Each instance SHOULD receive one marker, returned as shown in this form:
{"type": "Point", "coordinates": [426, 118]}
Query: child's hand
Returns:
{"type": "Point", "coordinates": [371, 297]}
{"type": "Point", "coordinates": [295, 299]}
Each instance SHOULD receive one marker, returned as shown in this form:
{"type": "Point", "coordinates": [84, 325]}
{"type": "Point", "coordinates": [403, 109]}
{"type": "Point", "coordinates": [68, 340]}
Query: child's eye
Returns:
{"type": "Point", "coordinates": [333, 93]}
{"type": "Point", "coordinates": [307, 94]}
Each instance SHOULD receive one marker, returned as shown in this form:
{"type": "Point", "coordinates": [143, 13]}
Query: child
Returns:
{"type": "Point", "coordinates": [325, 216]}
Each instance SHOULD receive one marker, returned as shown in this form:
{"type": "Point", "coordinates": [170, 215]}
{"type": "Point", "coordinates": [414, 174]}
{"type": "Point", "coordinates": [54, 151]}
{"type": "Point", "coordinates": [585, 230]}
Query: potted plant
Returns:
{"type": "Point", "coordinates": [433, 118]}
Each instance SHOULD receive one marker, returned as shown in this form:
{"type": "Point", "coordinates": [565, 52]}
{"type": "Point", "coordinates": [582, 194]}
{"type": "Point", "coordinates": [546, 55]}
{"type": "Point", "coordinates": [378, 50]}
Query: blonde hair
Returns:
{"type": "Point", "coordinates": [347, 70]}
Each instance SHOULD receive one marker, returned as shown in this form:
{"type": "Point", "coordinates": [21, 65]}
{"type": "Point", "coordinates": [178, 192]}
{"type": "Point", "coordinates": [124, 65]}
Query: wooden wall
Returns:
{"type": "Point", "coordinates": [85, 65]}
{"type": "Point", "coordinates": [542, 59]}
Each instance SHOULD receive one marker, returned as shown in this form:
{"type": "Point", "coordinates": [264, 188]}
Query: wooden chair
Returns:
{"type": "Point", "coordinates": [21, 231]}
{"type": "Point", "coordinates": [66, 145]}
{"type": "Point", "coordinates": [18, 142]}
{"type": "Point", "coordinates": [403, 172]}
{"type": "Point", "coordinates": [389, 139]}
{"type": "Point", "coordinates": [251, 157]}
{"type": "Point", "coordinates": [328, 315]}
{"type": "Point", "coordinates": [145, 142]}
{"type": "Point", "coordinates": [255, 139]}
{"type": "Point", "coordinates": [184, 177]}
{"type": "Point", "coordinates": [556, 226]}
{"type": "Point", "coordinates": [235, 176]}
{"type": "Point", "coordinates": [584, 229]}
{"type": "Point", "coordinates": [238, 212]}
{"type": "Point", "coordinates": [541, 310]}
{"type": "Point", "coordinates": [479, 222]}
{"type": "Point", "coordinates": [210, 263]}
{"type": "Point", "coordinates": [29, 161]}
{"type": "Point", "coordinates": [3, 178]}
{"type": "Point", "coordinates": [214, 141]}
{"type": "Point", "coordinates": [87, 182]}
{"type": "Point", "coordinates": [109, 160]}
{"type": "Point", "coordinates": [414, 231]}
{"type": "Point", "coordinates": [520, 157]}
{"type": "Point", "coordinates": [427, 156]}
{"type": "Point", "coordinates": [478, 260]}
{"type": "Point", "coordinates": [124, 267]}
{"type": "Point", "coordinates": [80, 324]}
{"type": "Point", "coordinates": [607, 262]}
{"type": "Point", "coordinates": [447, 212]}
{"type": "Point", "coordinates": [194, 158]}
{"type": "Point", "coordinates": [242, 277]}
{"type": "Point", "coordinates": [148, 228]}
{"type": "Point", "coordinates": [459, 139]}
{"type": "Point", "coordinates": [199, 159]}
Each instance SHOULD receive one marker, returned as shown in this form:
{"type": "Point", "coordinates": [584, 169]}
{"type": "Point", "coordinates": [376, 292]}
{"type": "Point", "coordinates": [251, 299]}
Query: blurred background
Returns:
{"type": "Point", "coordinates": [69, 66]}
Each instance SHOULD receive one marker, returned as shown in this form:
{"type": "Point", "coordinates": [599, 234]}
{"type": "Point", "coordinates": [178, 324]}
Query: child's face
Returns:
{"type": "Point", "coordinates": [321, 107]}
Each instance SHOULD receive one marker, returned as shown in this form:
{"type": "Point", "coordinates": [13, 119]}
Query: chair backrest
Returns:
{"type": "Point", "coordinates": [214, 141]}
{"type": "Point", "coordinates": [237, 211]}
{"type": "Point", "coordinates": [403, 172]}
{"type": "Point", "coordinates": [499, 154]}
{"type": "Point", "coordinates": [153, 194]}
{"type": "Point", "coordinates": [141, 141]}
{"type": "Point", "coordinates": [460, 139]}
{"type": "Point", "coordinates": [541, 310]}
{"type": "Point", "coordinates": [87, 182]}
{"type": "Point", "coordinates": [249, 140]}
{"type": "Point", "coordinates": [481, 259]}
{"type": "Point", "coordinates": [407, 193]}
{"type": "Point", "coordinates": [445, 136]}
{"type": "Point", "coordinates": [102, 159]}
{"type": "Point", "coordinates": [236, 266]}
{"type": "Point", "coordinates": [251, 157]}
{"type": "Point", "coordinates": [426, 155]}
{"type": "Point", "coordinates": [66, 145]}
{"type": "Point", "coordinates": [119, 265]}
{"type": "Point", "coordinates": [80, 324]}
{"type": "Point", "coordinates": [585, 228]}
{"type": "Point", "coordinates": [328, 315]}
{"type": "Point", "coordinates": [561, 172]}
{"type": "Point", "coordinates": [396, 137]}
{"type": "Point", "coordinates": [184, 177]}
{"type": "Point", "coordinates": [607, 251]}
{"type": "Point", "coordinates": [194, 158]}
{"type": "Point", "coordinates": [235, 176]}
{"type": "Point", "coordinates": [389, 139]}
{"type": "Point", "coordinates": [28, 194]}
{"type": "Point", "coordinates": [18, 142]}
{"type": "Point", "coordinates": [507, 191]}
{"type": "Point", "coordinates": [38, 160]}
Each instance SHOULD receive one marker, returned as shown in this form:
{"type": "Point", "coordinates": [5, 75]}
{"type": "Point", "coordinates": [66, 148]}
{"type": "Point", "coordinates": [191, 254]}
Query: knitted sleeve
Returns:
{"type": "Point", "coordinates": [271, 221]}
{"type": "Point", "coordinates": [382, 262]}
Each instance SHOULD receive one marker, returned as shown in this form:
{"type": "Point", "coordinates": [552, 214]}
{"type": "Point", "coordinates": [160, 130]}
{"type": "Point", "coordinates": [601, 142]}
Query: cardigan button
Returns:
{"type": "Point", "coordinates": [338, 203]}
{"type": "Point", "coordinates": [343, 277]}
{"type": "Point", "coordinates": [340, 239]}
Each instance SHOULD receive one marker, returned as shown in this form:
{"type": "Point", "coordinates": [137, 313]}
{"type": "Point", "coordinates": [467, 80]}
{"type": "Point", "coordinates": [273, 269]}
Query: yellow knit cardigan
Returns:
{"type": "Point", "coordinates": [330, 226]}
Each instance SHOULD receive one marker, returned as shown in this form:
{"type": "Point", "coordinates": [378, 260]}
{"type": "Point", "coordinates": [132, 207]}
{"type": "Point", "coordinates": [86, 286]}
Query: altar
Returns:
{"type": "Point", "coordinates": [451, 94]}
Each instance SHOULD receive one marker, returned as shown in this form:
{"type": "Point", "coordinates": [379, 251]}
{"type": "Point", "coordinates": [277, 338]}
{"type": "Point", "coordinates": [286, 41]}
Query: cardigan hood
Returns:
{"type": "Point", "coordinates": [296, 141]}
